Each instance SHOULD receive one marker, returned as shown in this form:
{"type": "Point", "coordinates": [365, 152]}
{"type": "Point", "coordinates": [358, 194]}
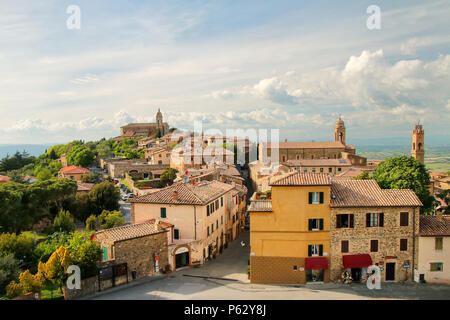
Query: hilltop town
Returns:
{"type": "Point", "coordinates": [156, 201]}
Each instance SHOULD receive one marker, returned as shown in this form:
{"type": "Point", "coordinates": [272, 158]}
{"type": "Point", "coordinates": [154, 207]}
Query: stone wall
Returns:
{"type": "Point", "coordinates": [388, 237]}
{"type": "Point", "coordinates": [88, 286]}
{"type": "Point", "coordinates": [138, 254]}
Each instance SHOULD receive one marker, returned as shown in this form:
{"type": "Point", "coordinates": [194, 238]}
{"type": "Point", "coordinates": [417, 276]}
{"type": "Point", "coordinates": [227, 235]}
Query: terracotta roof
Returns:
{"type": "Point", "coordinates": [4, 179]}
{"type": "Point", "coordinates": [319, 163]}
{"type": "Point", "coordinates": [74, 170]}
{"type": "Point", "coordinates": [308, 145]}
{"type": "Point", "coordinates": [434, 226]}
{"type": "Point", "coordinates": [82, 186]}
{"type": "Point", "coordinates": [131, 231]}
{"type": "Point", "coordinates": [349, 173]}
{"type": "Point", "coordinates": [367, 193]}
{"type": "Point", "coordinates": [200, 194]}
{"type": "Point", "coordinates": [162, 223]}
{"type": "Point", "coordinates": [302, 179]}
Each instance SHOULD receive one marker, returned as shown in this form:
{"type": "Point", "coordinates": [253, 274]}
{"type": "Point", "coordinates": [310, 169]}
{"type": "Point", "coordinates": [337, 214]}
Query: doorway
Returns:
{"type": "Point", "coordinates": [356, 274]}
{"type": "Point", "coordinates": [181, 260]}
{"type": "Point", "coordinates": [390, 271]}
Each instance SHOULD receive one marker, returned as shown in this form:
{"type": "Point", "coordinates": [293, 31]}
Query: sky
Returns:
{"type": "Point", "coordinates": [289, 65]}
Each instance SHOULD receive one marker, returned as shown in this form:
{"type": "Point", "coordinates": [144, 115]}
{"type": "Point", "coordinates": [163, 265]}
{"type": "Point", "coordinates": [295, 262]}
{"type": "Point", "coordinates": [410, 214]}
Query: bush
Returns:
{"type": "Point", "coordinates": [112, 219]}
{"type": "Point", "coordinates": [20, 246]}
{"type": "Point", "coordinates": [64, 222]}
{"type": "Point", "coordinates": [9, 270]}
{"type": "Point", "coordinates": [14, 290]}
{"type": "Point", "coordinates": [92, 223]}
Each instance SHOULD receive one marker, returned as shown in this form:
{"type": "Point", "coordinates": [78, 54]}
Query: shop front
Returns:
{"type": "Point", "coordinates": [356, 266]}
{"type": "Point", "coordinates": [315, 269]}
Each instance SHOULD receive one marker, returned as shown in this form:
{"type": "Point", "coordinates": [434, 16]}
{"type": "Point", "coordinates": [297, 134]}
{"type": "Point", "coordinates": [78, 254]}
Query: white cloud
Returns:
{"type": "Point", "coordinates": [274, 90]}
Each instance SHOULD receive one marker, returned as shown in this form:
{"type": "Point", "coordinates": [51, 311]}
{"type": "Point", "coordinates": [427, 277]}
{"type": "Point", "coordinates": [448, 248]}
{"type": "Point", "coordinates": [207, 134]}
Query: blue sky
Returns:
{"type": "Point", "coordinates": [292, 65]}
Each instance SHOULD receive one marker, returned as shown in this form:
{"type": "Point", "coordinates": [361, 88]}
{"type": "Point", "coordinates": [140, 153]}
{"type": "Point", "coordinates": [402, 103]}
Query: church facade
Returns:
{"type": "Point", "coordinates": [336, 149]}
{"type": "Point", "coordinates": [145, 129]}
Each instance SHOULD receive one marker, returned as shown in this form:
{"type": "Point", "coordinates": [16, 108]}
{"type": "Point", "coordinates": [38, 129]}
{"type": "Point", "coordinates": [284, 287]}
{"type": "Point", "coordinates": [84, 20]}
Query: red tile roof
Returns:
{"type": "Point", "coordinates": [4, 179]}
{"type": "Point", "coordinates": [434, 226]}
{"type": "Point", "coordinates": [302, 179]}
{"type": "Point", "coordinates": [319, 163]}
{"type": "Point", "coordinates": [367, 193]}
{"type": "Point", "coordinates": [131, 231]}
{"type": "Point", "coordinates": [200, 194]}
{"type": "Point", "coordinates": [74, 170]}
{"type": "Point", "coordinates": [85, 186]}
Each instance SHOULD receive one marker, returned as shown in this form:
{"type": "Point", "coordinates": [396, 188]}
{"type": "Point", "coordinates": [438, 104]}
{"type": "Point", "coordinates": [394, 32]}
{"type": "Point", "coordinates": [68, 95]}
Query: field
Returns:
{"type": "Point", "coordinates": [437, 157]}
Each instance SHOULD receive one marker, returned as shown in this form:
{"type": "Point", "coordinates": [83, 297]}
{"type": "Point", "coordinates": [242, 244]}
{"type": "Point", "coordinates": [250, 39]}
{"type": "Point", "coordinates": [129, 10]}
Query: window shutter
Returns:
{"type": "Point", "coordinates": [309, 250]}
{"type": "Point", "coordinates": [381, 219]}
{"type": "Point", "coordinates": [207, 210]}
{"type": "Point", "coordinates": [310, 198]}
{"type": "Point", "coordinates": [367, 219]}
{"type": "Point", "coordinates": [163, 212]}
{"type": "Point", "coordinates": [374, 245]}
{"type": "Point", "coordinates": [338, 221]}
{"type": "Point", "coordinates": [351, 220]}
{"type": "Point", "coordinates": [320, 249]}
{"type": "Point", "coordinates": [176, 234]}
{"type": "Point", "coordinates": [321, 197]}
{"type": "Point", "coordinates": [344, 246]}
{"type": "Point", "coordinates": [309, 224]}
{"type": "Point", "coordinates": [403, 219]}
{"type": "Point", "coordinates": [320, 224]}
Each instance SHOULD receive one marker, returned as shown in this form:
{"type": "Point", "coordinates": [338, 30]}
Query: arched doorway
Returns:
{"type": "Point", "coordinates": [182, 257]}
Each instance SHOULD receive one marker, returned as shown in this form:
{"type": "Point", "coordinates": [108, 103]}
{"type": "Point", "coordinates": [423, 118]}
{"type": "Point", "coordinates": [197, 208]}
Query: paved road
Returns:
{"type": "Point", "coordinates": [232, 265]}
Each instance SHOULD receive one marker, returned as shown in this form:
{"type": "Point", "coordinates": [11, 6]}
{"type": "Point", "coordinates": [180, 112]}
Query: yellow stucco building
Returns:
{"type": "Point", "coordinates": [290, 233]}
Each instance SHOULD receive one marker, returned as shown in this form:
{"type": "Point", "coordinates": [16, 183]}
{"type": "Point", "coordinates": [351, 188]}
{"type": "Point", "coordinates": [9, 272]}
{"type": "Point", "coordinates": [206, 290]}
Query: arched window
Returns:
{"type": "Point", "coordinates": [419, 146]}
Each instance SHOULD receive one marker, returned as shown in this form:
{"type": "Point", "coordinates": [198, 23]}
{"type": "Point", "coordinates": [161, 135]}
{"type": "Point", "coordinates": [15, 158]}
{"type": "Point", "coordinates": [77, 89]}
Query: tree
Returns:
{"type": "Point", "coordinates": [44, 174]}
{"type": "Point", "coordinates": [168, 176]}
{"type": "Point", "coordinates": [64, 222]}
{"type": "Point", "coordinates": [110, 219]}
{"type": "Point", "coordinates": [92, 177]}
{"type": "Point", "coordinates": [85, 253]}
{"type": "Point", "coordinates": [15, 162]}
{"type": "Point", "coordinates": [56, 266]}
{"type": "Point", "coordinates": [104, 196]}
{"type": "Point", "coordinates": [404, 172]}
{"type": "Point", "coordinates": [30, 282]}
{"type": "Point", "coordinates": [20, 246]}
{"type": "Point", "coordinates": [92, 223]}
{"type": "Point", "coordinates": [364, 175]}
{"type": "Point", "coordinates": [79, 155]}
{"type": "Point", "coordinates": [9, 270]}
{"type": "Point", "coordinates": [445, 195]}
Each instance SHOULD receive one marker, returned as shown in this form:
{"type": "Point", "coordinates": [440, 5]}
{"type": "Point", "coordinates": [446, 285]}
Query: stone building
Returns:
{"type": "Point", "coordinates": [145, 129]}
{"type": "Point", "coordinates": [373, 226]}
{"type": "Point", "coordinates": [136, 168]}
{"type": "Point", "coordinates": [336, 149]}
{"type": "Point", "coordinates": [330, 166]}
{"type": "Point", "coordinates": [143, 247]}
{"type": "Point", "coordinates": [73, 173]}
{"type": "Point", "coordinates": [434, 248]}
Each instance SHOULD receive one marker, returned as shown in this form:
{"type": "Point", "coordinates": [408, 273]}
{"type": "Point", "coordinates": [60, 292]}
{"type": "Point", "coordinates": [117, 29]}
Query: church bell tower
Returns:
{"type": "Point", "coordinates": [339, 131]}
{"type": "Point", "coordinates": [418, 149]}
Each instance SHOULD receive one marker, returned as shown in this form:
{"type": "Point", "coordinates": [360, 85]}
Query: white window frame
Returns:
{"type": "Point", "coordinates": [317, 196]}
{"type": "Point", "coordinates": [314, 250]}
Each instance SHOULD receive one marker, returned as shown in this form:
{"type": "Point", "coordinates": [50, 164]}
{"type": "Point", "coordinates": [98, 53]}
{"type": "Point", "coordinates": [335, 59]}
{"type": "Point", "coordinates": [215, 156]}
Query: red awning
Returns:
{"type": "Point", "coordinates": [357, 260]}
{"type": "Point", "coordinates": [318, 263]}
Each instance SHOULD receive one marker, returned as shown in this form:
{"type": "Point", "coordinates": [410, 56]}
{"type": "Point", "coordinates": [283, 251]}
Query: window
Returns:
{"type": "Point", "coordinates": [315, 197]}
{"type": "Point", "coordinates": [217, 204]}
{"type": "Point", "coordinates": [221, 220]}
{"type": "Point", "coordinates": [207, 231]}
{"type": "Point", "coordinates": [344, 221]}
{"type": "Point", "coordinates": [217, 224]}
{"type": "Point", "coordinates": [221, 202]}
{"type": "Point", "coordinates": [212, 227]}
{"type": "Point", "coordinates": [163, 213]}
{"type": "Point", "coordinates": [176, 234]}
{"type": "Point", "coordinates": [330, 170]}
{"type": "Point", "coordinates": [313, 170]}
{"type": "Point", "coordinates": [315, 224]}
{"type": "Point", "coordinates": [344, 246]}
{"type": "Point", "coordinates": [438, 243]}
{"type": "Point", "coordinates": [436, 266]}
{"type": "Point", "coordinates": [321, 169]}
{"type": "Point", "coordinates": [305, 170]}
{"type": "Point", "coordinates": [234, 219]}
{"type": "Point", "coordinates": [404, 219]}
{"type": "Point", "coordinates": [295, 268]}
{"type": "Point", "coordinates": [374, 219]}
{"type": "Point", "coordinates": [339, 169]}
{"type": "Point", "coordinates": [403, 244]}
{"type": "Point", "coordinates": [315, 250]}
{"type": "Point", "coordinates": [207, 210]}
{"type": "Point", "coordinates": [105, 253]}
{"type": "Point", "coordinates": [373, 245]}
{"type": "Point", "coordinates": [204, 253]}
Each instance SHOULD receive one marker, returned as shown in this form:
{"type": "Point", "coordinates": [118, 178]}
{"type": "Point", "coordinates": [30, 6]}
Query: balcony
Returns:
{"type": "Point", "coordinates": [259, 205]}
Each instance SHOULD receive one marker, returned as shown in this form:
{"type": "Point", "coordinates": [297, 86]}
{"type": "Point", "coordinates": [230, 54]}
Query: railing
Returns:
{"type": "Point", "coordinates": [260, 205]}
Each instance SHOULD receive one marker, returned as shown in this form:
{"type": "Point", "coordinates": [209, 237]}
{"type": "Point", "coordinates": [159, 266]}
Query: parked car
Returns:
{"type": "Point", "coordinates": [125, 197]}
{"type": "Point", "coordinates": [130, 195]}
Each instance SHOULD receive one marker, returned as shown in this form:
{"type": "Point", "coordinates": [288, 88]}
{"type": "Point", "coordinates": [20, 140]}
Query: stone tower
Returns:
{"type": "Point", "coordinates": [339, 131]}
{"type": "Point", "coordinates": [159, 118]}
{"type": "Point", "coordinates": [418, 148]}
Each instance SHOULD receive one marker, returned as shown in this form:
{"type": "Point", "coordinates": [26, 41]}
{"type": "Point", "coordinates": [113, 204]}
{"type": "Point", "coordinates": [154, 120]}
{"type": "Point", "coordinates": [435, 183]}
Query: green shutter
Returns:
{"type": "Point", "coordinates": [176, 234]}
{"type": "Point", "coordinates": [321, 250]}
{"type": "Point", "coordinates": [309, 224]}
{"type": "Point", "coordinates": [105, 253]}
{"type": "Point", "coordinates": [310, 197]}
{"type": "Point", "coordinates": [321, 197]}
{"type": "Point", "coordinates": [163, 212]}
{"type": "Point", "coordinates": [309, 250]}
{"type": "Point", "coordinates": [320, 224]}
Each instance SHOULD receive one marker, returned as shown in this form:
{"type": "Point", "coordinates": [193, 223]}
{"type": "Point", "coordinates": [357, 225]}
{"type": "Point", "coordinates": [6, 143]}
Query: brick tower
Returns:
{"type": "Point", "coordinates": [418, 147]}
{"type": "Point", "coordinates": [339, 131]}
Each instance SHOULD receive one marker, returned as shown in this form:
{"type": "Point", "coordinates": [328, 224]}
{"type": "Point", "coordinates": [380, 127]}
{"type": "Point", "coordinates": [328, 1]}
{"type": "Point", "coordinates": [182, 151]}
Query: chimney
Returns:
{"type": "Point", "coordinates": [175, 195]}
